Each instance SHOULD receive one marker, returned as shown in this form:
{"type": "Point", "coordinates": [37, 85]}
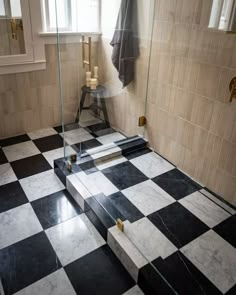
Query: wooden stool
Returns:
{"type": "Point", "coordinates": [98, 103]}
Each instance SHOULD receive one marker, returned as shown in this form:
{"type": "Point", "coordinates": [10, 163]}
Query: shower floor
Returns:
{"type": "Point", "coordinates": [49, 246]}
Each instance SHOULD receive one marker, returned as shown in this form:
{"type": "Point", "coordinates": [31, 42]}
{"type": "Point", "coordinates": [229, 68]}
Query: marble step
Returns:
{"type": "Point", "coordinates": [97, 155]}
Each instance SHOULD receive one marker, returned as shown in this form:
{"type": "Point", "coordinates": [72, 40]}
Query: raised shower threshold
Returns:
{"type": "Point", "coordinates": [104, 219]}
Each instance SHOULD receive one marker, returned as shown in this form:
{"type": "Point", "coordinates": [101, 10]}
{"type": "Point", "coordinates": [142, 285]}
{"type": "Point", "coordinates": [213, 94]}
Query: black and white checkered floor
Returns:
{"type": "Point", "coordinates": [49, 246]}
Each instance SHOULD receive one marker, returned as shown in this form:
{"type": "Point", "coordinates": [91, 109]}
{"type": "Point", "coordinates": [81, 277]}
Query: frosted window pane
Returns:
{"type": "Point", "coordinates": [2, 8]}
{"type": "Point", "coordinates": [87, 15]}
{"type": "Point", "coordinates": [15, 8]}
{"type": "Point", "coordinates": [62, 12]}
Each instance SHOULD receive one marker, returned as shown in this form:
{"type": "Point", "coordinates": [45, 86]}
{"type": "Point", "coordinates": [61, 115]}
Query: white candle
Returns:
{"type": "Point", "coordinates": [95, 72]}
{"type": "Point", "coordinates": [88, 78]}
{"type": "Point", "coordinates": [93, 83]}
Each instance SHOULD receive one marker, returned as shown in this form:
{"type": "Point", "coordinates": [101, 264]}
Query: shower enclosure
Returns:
{"type": "Point", "coordinates": [103, 127]}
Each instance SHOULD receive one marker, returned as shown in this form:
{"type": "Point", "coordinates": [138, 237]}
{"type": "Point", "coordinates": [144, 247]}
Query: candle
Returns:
{"type": "Point", "coordinates": [88, 78]}
{"type": "Point", "coordinates": [93, 83]}
{"type": "Point", "coordinates": [96, 73]}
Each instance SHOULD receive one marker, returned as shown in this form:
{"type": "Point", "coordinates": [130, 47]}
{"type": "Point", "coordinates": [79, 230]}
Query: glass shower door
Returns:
{"type": "Point", "coordinates": [104, 136]}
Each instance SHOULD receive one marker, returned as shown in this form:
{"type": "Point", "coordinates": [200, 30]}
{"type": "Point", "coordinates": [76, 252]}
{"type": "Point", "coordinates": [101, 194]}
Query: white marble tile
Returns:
{"type": "Point", "coordinates": [7, 174]}
{"type": "Point", "coordinates": [148, 197]}
{"type": "Point", "coordinates": [152, 164]}
{"type": "Point", "coordinates": [18, 224]}
{"type": "Point", "coordinates": [109, 138]}
{"type": "Point", "coordinates": [215, 258]}
{"type": "Point", "coordinates": [41, 185]}
{"type": "Point", "coordinates": [20, 150]}
{"type": "Point", "coordinates": [97, 183]}
{"type": "Point", "coordinates": [203, 208]}
{"type": "Point", "coordinates": [78, 191]}
{"type": "Point", "coordinates": [125, 250]}
{"type": "Point", "coordinates": [52, 155]}
{"type": "Point", "coordinates": [76, 136]}
{"type": "Point", "coordinates": [56, 283]}
{"type": "Point", "coordinates": [87, 118]}
{"type": "Point", "coordinates": [111, 162]}
{"type": "Point", "coordinates": [41, 133]}
{"type": "Point", "coordinates": [106, 154]}
{"type": "Point", "coordinates": [134, 291]}
{"type": "Point", "coordinates": [74, 238]}
{"type": "Point", "coordinates": [148, 239]}
{"type": "Point", "coordinates": [218, 201]}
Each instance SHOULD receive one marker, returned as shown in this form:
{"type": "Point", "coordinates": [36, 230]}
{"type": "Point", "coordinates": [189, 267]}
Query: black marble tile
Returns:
{"type": "Point", "coordinates": [49, 143]}
{"type": "Point", "coordinates": [88, 167]}
{"type": "Point", "coordinates": [227, 230]}
{"type": "Point", "coordinates": [14, 140]}
{"type": "Point", "coordinates": [127, 209]}
{"type": "Point", "coordinates": [11, 196]}
{"type": "Point", "coordinates": [109, 207]}
{"type": "Point", "coordinates": [26, 262]}
{"type": "Point", "coordinates": [86, 145]}
{"type": "Point", "coordinates": [30, 166]}
{"type": "Point", "coordinates": [60, 169]}
{"type": "Point", "coordinates": [3, 158]}
{"type": "Point", "coordinates": [232, 291]}
{"type": "Point", "coordinates": [99, 272]}
{"type": "Point", "coordinates": [128, 148]}
{"type": "Point", "coordinates": [183, 276]}
{"type": "Point", "coordinates": [55, 208]}
{"type": "Point", "coordinates": [176, 183]}
{"type": "Point", "coordinates": [178, 224]}
{"type": "Point", "coordinates": [124, 175]}
{"type": "Point", "coordinates": [137, 153]}
{"type": "Point", "coordinates": [105, 219]}
{"type": "Point", "coordinates": [67, 127]}
{"type": "Point", "coordinates": [98, 127]}
{"type": "Point", "coordinates": [151, 282]}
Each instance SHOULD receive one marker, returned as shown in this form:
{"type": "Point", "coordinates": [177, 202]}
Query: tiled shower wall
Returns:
{"type": "Point", "coordinates": [190, 119]}
{"type": "Point", "coordinates": [30, 101]}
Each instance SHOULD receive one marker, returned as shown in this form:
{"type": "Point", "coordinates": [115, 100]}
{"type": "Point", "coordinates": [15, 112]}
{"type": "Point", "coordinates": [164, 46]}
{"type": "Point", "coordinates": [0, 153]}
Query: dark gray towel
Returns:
{"type": "Point", "coordinates": [125, 41]}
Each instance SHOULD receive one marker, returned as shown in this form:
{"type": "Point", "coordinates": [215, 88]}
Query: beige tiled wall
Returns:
{"type": "Point", "coordinates": [30, 101]}
{"type": "Point", "coordinates": [190, 120]}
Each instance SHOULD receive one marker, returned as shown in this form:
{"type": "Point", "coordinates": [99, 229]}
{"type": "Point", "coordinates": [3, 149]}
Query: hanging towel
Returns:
{"type": "Point", "coordinates": [125, 41]}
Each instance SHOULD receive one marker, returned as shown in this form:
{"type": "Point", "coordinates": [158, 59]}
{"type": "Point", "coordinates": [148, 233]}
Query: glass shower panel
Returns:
{"type": "Point", "coordinates": [101, 110]}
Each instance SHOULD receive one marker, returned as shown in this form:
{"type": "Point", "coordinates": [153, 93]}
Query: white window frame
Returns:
{"type": "Point", "coordinates": [28, 56]}
{"type": "Point", "coordinates": [46, 15]}
{"type": "Point", "coordinates": [73, 25]}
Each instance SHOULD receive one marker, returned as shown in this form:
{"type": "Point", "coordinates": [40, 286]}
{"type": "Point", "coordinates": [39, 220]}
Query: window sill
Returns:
{"type": "Point", "coordinates": [22, 67]}
{"type": "Point", "coordinates": [54, 34]}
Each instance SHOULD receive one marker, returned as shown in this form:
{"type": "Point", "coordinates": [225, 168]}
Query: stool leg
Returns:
{"type": "Point", "coordinates": [104, 109]}
{"type": "Point", "coordinates": [81, 106]}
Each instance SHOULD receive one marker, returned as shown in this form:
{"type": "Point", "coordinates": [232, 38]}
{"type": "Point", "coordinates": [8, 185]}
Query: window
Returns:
{"type": "Point", "coordinates": [73, 15]}
{"type": "Point", "coordinates": [15, 8]}
{"type": "Point", "coordinates": [2, 8]}
{"type": "Point", "coordinates": [223, 15]}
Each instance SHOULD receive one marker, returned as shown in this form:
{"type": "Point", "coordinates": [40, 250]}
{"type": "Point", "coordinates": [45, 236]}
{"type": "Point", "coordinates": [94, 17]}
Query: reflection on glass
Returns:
{"type": "Point", "coordinates": [11, 28]}
{"type": "Point", "coordinates": [223, 15]}
{"type": "Point", "coordinates": [2, 8]}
